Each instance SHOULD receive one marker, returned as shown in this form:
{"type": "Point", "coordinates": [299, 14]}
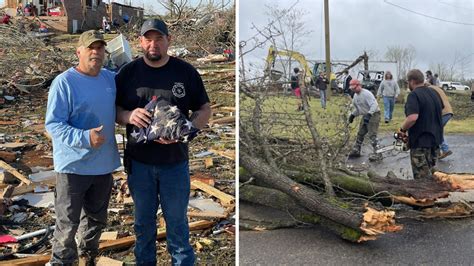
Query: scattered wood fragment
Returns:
{"type": "Point", "coordinates": [457, 181]}
{"type": "Point", "coordinates": [13, 145]}
{"type": "Point", "coordinates": [227, 154]}
{"type": "Point", "coordinates": [225, 199]}
{"type": "Point", "coordinates": [7, 156]}
{"type": "Point", "coordinates": [224, 120]}
{"type": "Point", "coordinates": [14, 172]}
{"type": "Point", "coordinates": [105, 261]}
{"type": "Point", "coordinates": [107, 236]}
{"type": "Point", "coordinates": [113, 244]}
{"type": "Point", "coordinates": [206, 214]}
{"type": "Point", "coordinates": [7, 192]}
{"type": "Point", "coordinates": [202, 178]}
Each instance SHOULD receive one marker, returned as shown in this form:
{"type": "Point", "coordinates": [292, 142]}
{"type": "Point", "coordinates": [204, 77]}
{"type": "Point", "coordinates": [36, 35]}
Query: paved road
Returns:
{"type": "Point", "coordinates": [441, 242]}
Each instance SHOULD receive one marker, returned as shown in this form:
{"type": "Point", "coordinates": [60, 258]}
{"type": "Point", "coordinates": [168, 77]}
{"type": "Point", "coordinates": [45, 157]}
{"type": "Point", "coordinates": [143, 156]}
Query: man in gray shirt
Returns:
{"type": "Point", "coordinates": [389, 90]}
{"type": "Point", "coordinates": [366, 105]}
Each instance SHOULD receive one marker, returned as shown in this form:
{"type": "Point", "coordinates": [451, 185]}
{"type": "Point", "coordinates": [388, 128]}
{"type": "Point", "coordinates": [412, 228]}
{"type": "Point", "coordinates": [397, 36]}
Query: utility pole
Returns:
{"type": "Point", "coordinates": [327, 44]}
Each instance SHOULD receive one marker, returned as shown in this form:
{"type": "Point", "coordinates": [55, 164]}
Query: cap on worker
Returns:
{"type": "Point", "coordinates": [89, 37]}
{"type": "Point", "coordinates": [154, 24]}
{"type": "Point", "coordinates": [354, 83]}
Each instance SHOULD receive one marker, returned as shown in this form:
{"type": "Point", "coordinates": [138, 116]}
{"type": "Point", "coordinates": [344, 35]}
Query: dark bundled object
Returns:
{"type": "Point", "coordinates": [167, 122]}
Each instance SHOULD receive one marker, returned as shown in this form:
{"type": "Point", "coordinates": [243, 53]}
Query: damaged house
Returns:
{"type": "Point", "coordinates": [74, 16]}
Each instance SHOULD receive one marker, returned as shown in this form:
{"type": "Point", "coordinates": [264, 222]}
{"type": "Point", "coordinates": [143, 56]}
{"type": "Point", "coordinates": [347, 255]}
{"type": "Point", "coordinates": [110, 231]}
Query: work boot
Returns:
{"type": "Point", "coordinates": [445, 154]}
{"type": "Point", "coordinates": [375, 157]}
{"type": "Point", "coordinates": [354, 153]}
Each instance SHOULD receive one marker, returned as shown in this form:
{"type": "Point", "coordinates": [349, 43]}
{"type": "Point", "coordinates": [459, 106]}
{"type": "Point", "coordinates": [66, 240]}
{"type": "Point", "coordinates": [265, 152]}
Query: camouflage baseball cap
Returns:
{"type": "Point", "coordinates": [89, 37]}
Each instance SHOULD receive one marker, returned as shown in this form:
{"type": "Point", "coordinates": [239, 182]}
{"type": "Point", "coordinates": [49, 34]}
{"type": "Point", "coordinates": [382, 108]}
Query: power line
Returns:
{"type": "Point", "coordinates": [428, 16]}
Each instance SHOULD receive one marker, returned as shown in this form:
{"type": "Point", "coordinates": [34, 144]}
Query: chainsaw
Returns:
{"type": "Point", "coordinates": [400, 144]}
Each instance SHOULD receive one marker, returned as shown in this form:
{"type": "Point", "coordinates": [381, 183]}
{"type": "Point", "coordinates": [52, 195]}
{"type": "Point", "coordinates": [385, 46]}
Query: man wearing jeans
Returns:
{"type": "Point", "coordinates": [447, 114]}
{"type": "Point", "coordinates": [389, 90]}
{"type": "Point", "coordinates": [158, 171]}
{"type": "Point", "coordinates": [322, 84]}
{"type": "Point", "coordinates": [80, 118]}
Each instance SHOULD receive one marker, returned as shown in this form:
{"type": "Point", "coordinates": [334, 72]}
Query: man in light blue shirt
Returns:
{"type": "Point", "coordinates": [81, 121]}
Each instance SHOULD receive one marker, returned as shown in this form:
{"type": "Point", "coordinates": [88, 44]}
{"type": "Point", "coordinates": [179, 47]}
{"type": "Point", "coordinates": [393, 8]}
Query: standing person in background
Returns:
{"type": "Point", "coordinates": [322, 84]}
{"type": "Point", "coordinates": [437, 81]}
{"type": "Point", "coordinates": [346, 85]}
{"type": "Point", "coordinates": [80, 118]}
{"type": "Point", "coordinates": [389, 90]}
{"type": "Point", "coordinates": [430, 78]}
{"type": "Point", "coordinates": [446, 115]}
{"type": "Point", "coordinates": [295, 86]}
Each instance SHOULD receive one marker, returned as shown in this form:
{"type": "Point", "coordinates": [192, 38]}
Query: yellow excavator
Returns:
{"type": "Point", "coordinates": [311, 72]}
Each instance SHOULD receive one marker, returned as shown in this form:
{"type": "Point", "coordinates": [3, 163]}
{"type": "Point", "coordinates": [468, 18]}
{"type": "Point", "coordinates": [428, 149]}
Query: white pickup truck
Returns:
{"type": "Point", "coordinates": [451, 85]}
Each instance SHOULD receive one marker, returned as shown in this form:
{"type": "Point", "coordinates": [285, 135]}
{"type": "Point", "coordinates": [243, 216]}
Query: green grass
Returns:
{"type": "Point", "coordinates": [326, 120]}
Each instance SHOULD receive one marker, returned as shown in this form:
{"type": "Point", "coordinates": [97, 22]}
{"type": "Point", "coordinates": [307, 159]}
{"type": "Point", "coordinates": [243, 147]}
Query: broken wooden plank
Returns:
{"type": "Point", "coordinates": [206, 214]}
{"type": "Point", "coordinates": [226, 154]}
{"type": "Point", "coordinates": [7, 192]}
{"type": "Point", "coordinates": [113, 244]}
{"type": "Point", "coordinates": [14, 172]}
{"type": "Point", "coordinates": [7, 156]}
{"type": "Point", "coordinates": [13, 145]}
{"type": "Point", "coordinates": [105, 261]}
{"type": "Point", "coordinates": [107, 236]}
{"type": "Point", "coordinates": [225, 199]}
{"type": "Point", "coordinates": [224, 120]}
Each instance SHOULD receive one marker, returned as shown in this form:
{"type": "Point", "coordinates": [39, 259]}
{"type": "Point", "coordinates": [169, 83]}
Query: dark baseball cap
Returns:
{"type": "Point", "coordinates": [154, 24]}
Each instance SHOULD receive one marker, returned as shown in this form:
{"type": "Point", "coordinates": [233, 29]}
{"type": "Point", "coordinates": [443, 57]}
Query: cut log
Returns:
{"type": "Point", "coordinates": [225, 199]}
{"type": "Point", "coordinates": [317, 203]}
{"type": "Point", "coordinates": [412, 192]}
{"type": "Point", "coordinates": [14, 172]}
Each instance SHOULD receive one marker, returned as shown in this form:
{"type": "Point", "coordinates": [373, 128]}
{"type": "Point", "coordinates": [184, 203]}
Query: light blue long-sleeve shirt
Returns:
{"type": "Point", "coordinates": [76, 104]}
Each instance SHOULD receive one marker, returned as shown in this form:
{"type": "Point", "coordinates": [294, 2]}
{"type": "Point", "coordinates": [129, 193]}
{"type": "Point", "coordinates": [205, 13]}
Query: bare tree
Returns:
{"type": "Point", "coordinates": [404, 56]}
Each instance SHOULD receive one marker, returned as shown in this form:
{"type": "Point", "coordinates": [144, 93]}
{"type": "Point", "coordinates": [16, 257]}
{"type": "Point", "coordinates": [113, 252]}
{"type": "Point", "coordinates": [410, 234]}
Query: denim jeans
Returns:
{"type": "Point", "coordinates": [444, 144]}
{"type": "Point", "coordinates": [322, 94]}
{"type": "Point", "coordinates": [388, 105]}
{"type": "Point", "coordinates": [168, 185]}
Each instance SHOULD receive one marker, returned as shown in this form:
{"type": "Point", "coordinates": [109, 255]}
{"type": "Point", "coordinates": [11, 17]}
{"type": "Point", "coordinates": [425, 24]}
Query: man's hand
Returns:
{"type": "Point", "coordinates": [166, 141]}
{"type": "Point", "coordinates": [139, 117]}
{"type": "Point", "coordinates": [367, 118]}
{"type": "Point", "coordinates": [402, 134]}
{"type": "Point", "coordinates": [351, 119]}
{"type": "Point", "coordinates": [96, 137]}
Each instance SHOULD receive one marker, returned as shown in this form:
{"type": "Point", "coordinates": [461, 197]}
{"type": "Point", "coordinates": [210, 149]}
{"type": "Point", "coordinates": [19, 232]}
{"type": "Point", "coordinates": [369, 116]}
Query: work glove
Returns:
{"type": "Point", "coordinates": [367, 118]}
{"type": "Point", "coordinates": [351, 118]}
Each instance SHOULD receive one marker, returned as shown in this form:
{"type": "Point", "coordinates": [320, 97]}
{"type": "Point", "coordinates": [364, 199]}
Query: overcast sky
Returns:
{"type": "Point", "coordinates": [356, 25]}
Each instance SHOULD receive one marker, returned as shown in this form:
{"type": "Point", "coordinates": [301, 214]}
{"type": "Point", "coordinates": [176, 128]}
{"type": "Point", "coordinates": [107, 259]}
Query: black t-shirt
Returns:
{"type": "Point", "coordinates": [177, 82]}
{"type": "Point", "coordinates": [428, 130]}
{"type": "Point", "coordinates": [294, 82]}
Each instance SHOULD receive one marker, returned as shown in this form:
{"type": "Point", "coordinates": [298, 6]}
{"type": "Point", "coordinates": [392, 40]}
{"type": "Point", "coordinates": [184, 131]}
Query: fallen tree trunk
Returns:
{"type": "Point", "coordinates": [363, 223]}
{"type": "Point", "coordinates": [412, 192]}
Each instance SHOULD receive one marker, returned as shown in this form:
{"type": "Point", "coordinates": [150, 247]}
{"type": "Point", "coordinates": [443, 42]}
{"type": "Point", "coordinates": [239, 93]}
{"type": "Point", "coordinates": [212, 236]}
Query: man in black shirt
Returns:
{"type": "Point", "coordinates": [424, 125]}
{"type": "Point", "coordinates": [158, 171]}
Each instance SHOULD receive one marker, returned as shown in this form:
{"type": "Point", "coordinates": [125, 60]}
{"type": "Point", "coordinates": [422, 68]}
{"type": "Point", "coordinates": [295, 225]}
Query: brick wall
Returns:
{"type": "Point", "coordinates": [91, 20]}
{"type": "Point", "coordinates": [133, 12]}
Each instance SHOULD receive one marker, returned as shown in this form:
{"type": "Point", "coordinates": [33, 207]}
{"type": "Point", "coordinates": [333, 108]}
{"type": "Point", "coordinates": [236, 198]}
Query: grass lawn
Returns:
{"type": "Point", "coordinates": [325, 120]}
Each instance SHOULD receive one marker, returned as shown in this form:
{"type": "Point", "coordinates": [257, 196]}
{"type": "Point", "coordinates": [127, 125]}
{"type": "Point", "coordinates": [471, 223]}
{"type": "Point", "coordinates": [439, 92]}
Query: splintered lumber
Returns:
{"type": "Point", "coordinates": [105, 261]}
{"type": "Point", "coordinates": [7, 156]}
{"type": "Point", "coordinates": [225, 199]}
{"type": "Point", "coordinates": [14, 172]}
{"type": "Point", "coordinates": [316, 203]}
{"type": "Point", "coordinates": [456, 210]}
{"type": "Point", "coordinates": [113, 244]}
{"type": "Point", "coordinates": [457, 181]}
{"type": "Point", "coordinates": [206, 214]}
{"type": "Point", "coordinates": [226, 154]}
{"type": "Point", "coordinates": [224, 120]}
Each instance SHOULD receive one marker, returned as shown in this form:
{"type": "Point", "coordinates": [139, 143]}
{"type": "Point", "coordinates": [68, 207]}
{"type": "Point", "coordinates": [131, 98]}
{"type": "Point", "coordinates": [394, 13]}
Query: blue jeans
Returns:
{"type": "Point", "coordinates": [444, 144]}
{"type": "Point", "coordinates": [168, 185]}
{"type": "Point", "coordinates": [322, 95]}
{"type": "Point", "coordinates": [388, 105]}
